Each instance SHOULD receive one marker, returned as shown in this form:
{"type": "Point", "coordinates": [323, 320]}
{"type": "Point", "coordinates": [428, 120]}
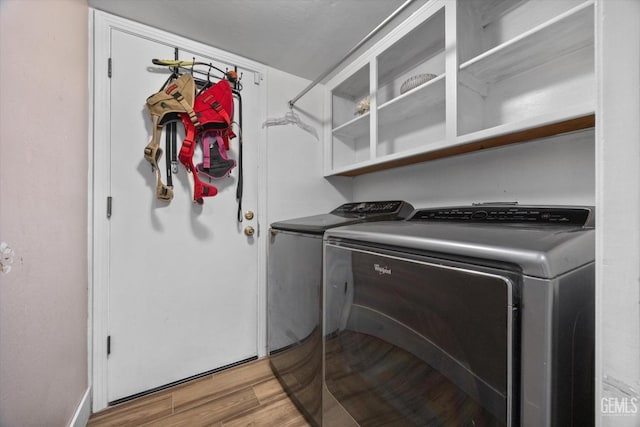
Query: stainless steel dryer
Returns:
{"type": "Point", "coordinates": [470, 316]}
{"type": "Point", "coordinates": [294, 296]}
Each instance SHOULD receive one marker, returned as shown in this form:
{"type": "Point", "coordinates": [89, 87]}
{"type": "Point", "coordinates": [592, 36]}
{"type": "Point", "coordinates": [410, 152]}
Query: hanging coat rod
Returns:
{"type": "Point", "coordinates": [233, 78]}
{"type": "Point", "coordinates": [348, 54]}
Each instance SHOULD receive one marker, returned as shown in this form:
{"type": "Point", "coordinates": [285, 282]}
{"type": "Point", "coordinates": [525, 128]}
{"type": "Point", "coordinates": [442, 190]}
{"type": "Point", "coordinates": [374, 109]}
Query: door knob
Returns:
{"type": "Point", "coordinates": [248, 215]}
{"type": "Point", "coordinates": [249, 230]}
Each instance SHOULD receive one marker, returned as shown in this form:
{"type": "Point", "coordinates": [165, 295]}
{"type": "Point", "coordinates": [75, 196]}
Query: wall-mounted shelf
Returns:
{"type": "Point", "coordinates": [412, 102]}
{"type": "Point", "coordinates": [471, 145]}
{"type": "Point", "coordinates": [569, 32]}
{"type": "Point", "coordinates": [507, 71]}
{"type": "Point", "coordinates": [354, 128]}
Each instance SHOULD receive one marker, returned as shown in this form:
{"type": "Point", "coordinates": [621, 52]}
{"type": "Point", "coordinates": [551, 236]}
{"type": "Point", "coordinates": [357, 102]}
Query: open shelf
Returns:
{"type": "Point", "coordinates": [549, 124]}
{"type": "Point", "coordinates": [538, 66]}
{"type": "Point", "coordinates": [422, 43]}
{"type": "Point", "coordinates": [410, 90]}
{"type": "Point", "coordinates": [346, 97]}
{"type": "Point", "coordinates": [556, 91]}
{"type": "Point", "coordinates": [560, 36]}
{"type": "Point", "coordinates": [347, 152]}
{"type": "Point", "coordinates": [420, 51]}
{"type": "Point", "coordinates": [412, 102]}
{"type": "Point", "coordinates": [469, 146]}
{"type": "Point", "coordinates": [354, 128]}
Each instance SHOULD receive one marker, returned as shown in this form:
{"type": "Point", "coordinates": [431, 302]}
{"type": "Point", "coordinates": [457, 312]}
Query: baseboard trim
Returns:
{"type": "Point", "coordinates": [83, 411]}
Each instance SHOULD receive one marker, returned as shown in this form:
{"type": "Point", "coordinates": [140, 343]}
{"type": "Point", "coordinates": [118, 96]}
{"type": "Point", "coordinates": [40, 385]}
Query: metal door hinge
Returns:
{"type": "Point", "coordinates": [109, 206]}
{"type": "Point", "coordinates": [257, 77]}
{"type": "Point", "coordinates": [109, 68]}
{"type": "Point", "coordinates": [108, 345]}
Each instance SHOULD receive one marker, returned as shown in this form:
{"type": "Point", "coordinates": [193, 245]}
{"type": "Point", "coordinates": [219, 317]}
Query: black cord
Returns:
{"type": "Point", "coordinates": [240, 186]}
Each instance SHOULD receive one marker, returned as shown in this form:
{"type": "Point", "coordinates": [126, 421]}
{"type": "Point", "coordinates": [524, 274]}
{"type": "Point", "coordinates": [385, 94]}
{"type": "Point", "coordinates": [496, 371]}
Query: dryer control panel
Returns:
{"type": "Point", "coordinates": [393, 208]}
{"type": "Point", "coordinates": [550, 215]}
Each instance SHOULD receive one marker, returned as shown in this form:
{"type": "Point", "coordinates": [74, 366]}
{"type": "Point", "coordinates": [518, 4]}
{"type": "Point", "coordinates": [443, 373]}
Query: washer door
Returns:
{"type": "Point", "coordinates": [417, 341]}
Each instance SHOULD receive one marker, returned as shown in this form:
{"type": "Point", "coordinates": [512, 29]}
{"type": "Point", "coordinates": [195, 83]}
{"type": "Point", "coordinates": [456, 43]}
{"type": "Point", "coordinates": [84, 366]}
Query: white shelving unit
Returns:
{"type": "Point", "coordinates": [505, 71]}
{"type": "Point", "coordinates": [350, 127]}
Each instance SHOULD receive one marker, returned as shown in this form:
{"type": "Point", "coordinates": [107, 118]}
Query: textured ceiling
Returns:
{"type": "Point", "coordinates": [302, 37]}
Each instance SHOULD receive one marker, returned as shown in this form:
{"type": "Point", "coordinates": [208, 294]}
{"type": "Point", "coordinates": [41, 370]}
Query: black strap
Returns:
{"type": "Point", "coordinates": [239, 188]}
{"type": "Point", "coordinates": [170, 148]}
{"type": "Point", "coordinates": [174, 148]}
{"type": "Point", "coordinates": [170, 131]}
{"type": "Point", "coordinates": [167, 148]}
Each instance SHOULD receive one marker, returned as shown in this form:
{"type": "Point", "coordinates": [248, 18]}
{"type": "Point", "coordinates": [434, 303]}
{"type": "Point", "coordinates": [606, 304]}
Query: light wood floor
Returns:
{"type": "Point", "coordinates": [247, 395]}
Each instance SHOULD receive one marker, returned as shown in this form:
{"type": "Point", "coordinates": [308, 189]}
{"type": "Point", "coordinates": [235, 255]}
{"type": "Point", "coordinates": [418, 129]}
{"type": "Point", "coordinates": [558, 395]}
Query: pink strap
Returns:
{"type": "Point", "coordinates": [206, 150]}
{"type": "Point", "coordinates": [221, 149]}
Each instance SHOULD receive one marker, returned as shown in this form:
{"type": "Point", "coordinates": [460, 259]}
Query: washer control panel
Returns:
{"type": "Point", "coordinates": [394, 209]}
{"type": "Point", "coordinates": [507, 214]}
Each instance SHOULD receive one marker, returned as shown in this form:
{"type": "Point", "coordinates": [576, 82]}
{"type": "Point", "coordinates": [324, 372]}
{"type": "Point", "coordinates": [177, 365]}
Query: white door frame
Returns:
{"type": "Point", "coordinates": [100, 26]}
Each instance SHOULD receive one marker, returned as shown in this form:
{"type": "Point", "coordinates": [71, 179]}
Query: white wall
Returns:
{"type": "Point", "coordinates": [618, 223]}
{"type": "Point", "coordinates": [43, 210]}
{"type": "Point", "coordinates": [295, 186]}
{"type": "Point", "coordinates": [555, 170]}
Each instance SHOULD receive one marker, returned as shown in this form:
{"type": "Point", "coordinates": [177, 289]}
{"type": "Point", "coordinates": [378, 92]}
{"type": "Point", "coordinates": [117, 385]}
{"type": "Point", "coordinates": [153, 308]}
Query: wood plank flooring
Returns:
{"type": "Point", "coordinates": [247, 395]}
{"type": "Point", "coordinates": [376, 383]}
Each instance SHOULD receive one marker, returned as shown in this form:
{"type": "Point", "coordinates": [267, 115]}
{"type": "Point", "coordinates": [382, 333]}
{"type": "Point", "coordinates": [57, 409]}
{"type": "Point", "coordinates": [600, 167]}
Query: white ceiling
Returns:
{"type": "Point", "coordinates": [302, 37]}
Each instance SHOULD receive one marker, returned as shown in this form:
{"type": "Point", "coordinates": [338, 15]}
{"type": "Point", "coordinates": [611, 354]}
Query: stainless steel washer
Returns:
{"type": "Point", "coordinates": [479, 315]}
{"type": "Point", "coordinates": [294, 296]}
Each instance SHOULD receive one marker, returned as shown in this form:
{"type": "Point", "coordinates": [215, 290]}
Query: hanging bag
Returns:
{"type": "Point", "coordinates": [173, 102]}
{"type": "Point", "coordinates": [214, 111]}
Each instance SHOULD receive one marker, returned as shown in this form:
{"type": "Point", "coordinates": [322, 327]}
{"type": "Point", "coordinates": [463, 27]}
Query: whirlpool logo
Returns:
{"type": "Point", "coordinates": [382, 270]}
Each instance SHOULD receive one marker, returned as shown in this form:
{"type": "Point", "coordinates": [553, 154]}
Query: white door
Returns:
{"type": "Point", "coordinates": [182, 278]}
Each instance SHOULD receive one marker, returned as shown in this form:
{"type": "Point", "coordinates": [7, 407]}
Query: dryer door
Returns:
{"type": "Point", "coordinates": [294, 317]}
{"type": "Point", "coordinates": [418, 341]}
